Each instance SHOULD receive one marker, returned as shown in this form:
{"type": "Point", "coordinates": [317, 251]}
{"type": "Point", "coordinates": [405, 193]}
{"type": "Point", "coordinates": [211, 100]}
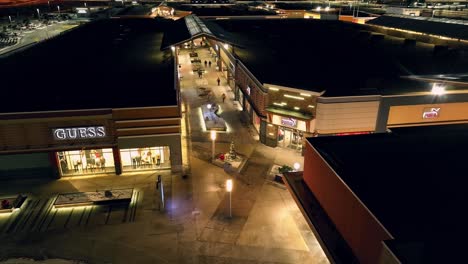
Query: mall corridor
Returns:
{"type": "Point", "coordinates": [194, 227]}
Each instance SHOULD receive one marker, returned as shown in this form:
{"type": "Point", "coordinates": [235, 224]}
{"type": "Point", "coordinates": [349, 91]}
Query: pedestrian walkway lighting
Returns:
{"type": "Point", "coordinates": [226, 46]}
{"type": "Point", "coordinates": [438, 89]}
{"type": "Point", "coordinates": [213, 138]}
{"type": "Point", "coordinates": [58, 8]}
{"type": "Point", "coordinates": [38, 14]}
{"type": "Point", "coordinates": [229, 190]}
{"type": "Point", "coordinates": [296, 166]}
{"type": "Point", "coordinates": [318, 9]}
{"type": "Point", "coordinates": [172, 48]}
{"type": "Point", "coordinates": [208, 106]}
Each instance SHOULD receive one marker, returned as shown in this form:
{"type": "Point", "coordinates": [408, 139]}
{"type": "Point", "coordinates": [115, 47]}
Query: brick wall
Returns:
{"type": "Point", "coordinates": [257, 95]}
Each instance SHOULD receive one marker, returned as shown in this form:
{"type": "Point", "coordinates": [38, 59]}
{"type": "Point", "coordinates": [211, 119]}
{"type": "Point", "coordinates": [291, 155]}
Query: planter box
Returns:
{"type": "Point", "coordinates": [91, 198]}
{"type": "Point", "coordinates": [14, 202]}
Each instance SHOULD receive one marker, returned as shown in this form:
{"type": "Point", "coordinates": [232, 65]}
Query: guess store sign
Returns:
{"type": "Point", "coordinates": [79, 132]}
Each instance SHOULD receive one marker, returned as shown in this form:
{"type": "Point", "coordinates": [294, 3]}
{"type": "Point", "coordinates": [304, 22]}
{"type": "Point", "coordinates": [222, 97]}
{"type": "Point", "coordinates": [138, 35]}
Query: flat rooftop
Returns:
{"type": "Point", "coordinates": [450, 28]}
{"type": "Point", "coordinates": [413, 180]}
{"type": "Point", "coordinates": [114, 63]}
{"type": "Point", "coordinates": [339, 57]}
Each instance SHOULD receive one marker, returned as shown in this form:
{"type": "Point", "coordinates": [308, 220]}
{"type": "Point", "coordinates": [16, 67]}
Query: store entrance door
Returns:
{"type": "Point", "coordinates": [289, 138]}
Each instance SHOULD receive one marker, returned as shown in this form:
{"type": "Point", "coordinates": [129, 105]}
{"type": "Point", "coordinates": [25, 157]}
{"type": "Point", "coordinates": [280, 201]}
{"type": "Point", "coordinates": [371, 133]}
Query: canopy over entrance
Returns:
{"type": "Point", "coordinates": [192, 27]}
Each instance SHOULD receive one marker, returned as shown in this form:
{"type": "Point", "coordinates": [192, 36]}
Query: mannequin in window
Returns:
{"type": "Point", "coordinates": [76, 162]}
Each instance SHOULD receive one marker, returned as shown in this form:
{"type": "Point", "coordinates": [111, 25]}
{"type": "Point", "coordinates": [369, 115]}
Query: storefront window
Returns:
{"type": "Point", "coordinates": [87, 161]}
{"type": "Point", "coordinates": [290, 138]}
{"type": "Point", "coordinates": [256, 121]}
{"type": "Point", "coordinates": [241, 98]}
{"type": "Point", "coordinates": [247, 107]}
{"type": "Point", "coordinates": [271, 131]}
{"type": "Point", "coordinates": [145, 158]}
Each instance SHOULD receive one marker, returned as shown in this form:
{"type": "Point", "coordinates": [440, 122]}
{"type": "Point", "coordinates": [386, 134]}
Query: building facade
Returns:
{"type": "Point", "coordinates": [83, 142]}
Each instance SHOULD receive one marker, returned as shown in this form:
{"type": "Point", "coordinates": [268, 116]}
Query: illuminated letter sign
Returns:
{"type": "Point", "coordinates": [431, 113]}
{"type": "Point", "coordinates": [79, 132]}
{"type": "Point", "coordinates": [289, 121]}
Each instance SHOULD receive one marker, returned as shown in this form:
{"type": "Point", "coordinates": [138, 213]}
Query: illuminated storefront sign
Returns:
{"type": "Point", "coordinates": [79, 132]}
{"type": "Point", "coordinates": [431, 113]}
{"type": "Point", "coordinates": [289, 121]}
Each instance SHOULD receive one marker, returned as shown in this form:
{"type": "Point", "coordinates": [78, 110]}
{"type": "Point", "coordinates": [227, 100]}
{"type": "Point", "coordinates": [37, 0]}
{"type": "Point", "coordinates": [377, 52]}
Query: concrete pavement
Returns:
{"type": "Point", "coordinates": [266, 225]}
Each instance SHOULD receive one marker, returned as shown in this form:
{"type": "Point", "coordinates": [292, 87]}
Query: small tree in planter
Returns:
{"type": "Point", "coordinates": [284, 168]}
{"type": "Point", "coordinates": [281, 170]}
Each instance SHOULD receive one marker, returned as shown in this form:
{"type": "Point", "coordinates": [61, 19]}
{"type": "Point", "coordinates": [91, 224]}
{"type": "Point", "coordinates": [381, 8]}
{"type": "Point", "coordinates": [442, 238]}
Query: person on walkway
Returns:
{"type": "Point", "coordinates": [209, 64]}
{"type": "Point", "coordinates": [206, 63]}
{"type": "Point", "coordinates": [199, 74]}
{"type": "Point", "coordinates": [158, 159]}
{"type": "Point", "coordinates": [218, 80]}
{"type": "Point", "coordinates": [224, 97]}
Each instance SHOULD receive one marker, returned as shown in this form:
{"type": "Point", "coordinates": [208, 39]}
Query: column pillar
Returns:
{"type": "Point", "coordinates": [117, 160]}
{"type": "Point", "coordinates": [175, 156]}
{"type": "Point", "coordinates": [54, 165]}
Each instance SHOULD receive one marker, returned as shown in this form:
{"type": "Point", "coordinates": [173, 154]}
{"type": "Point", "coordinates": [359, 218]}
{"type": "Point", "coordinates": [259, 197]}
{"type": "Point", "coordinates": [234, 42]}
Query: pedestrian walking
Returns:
{"type": "Point", "coordinates": [199, 74]}
{"type": "Point", "coordinates": [218, 80]}
{"type": "Point", "coordinates": [158, 159]}
{"type": "Point", "coordinates": [209, 64]}
{"type": "Point", "coordinates": [206, 63]}
{"type": "Point", "coordinates": [224, 97]}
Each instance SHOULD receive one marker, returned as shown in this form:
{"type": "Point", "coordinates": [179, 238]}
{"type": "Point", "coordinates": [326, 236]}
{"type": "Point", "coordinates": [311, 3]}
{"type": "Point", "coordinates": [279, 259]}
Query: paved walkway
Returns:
{"type": "Point", "coordinates": [266, 225]}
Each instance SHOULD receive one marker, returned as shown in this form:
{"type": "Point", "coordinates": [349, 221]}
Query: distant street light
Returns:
{"type": "Point", "coordinates": [58, 8]}
{"type": "Point", "coordinates": [38, 13]}
{"type": "Point", "coordinates": [229, 190]}
{"type": "Point", "coordinates": [9, 17]}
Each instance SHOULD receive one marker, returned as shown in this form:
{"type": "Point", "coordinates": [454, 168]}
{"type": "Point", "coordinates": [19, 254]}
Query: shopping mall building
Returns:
{"type": "Point", "coordinates": [299, 78]}
{"type": "Point", "coordinates": [79, 105]}
{"type": "Point", "coordinates": [387, 197]}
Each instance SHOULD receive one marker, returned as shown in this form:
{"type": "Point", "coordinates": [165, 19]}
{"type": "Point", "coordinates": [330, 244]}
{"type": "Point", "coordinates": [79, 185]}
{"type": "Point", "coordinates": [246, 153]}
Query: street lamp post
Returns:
{"type": "Point", "coordinates": [213, 138]}
{"type": "Point", "coordinates": [229, 190]}
{"type": "Point", "coordinates": [9, 17]}
{"type": "Point", "coordinates": [58, 8]}
{"type": "Point", "coordinates": [38, 13]}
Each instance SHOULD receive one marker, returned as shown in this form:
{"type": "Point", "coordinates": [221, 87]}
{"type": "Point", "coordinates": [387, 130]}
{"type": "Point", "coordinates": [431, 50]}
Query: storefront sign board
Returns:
{"type": "Point", "coordinates": [431, 113]}
{"type": "Point", "coordinates": [79, 132]}
{"type": "Point", "coordinates": [288, 121]}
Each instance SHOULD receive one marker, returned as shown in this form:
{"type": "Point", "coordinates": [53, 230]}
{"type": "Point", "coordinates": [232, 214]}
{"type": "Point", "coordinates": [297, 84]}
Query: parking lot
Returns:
{"type": "Point", "coordinates": [24, 32]}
